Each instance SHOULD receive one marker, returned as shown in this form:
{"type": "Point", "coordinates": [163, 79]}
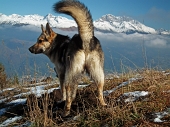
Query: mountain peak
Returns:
{"type": "Point", "coordinates": [121, 24]}
{"type": "Point", "coordinates": [48, 16]}
{"type": "Point", "coordinates": [107, 23]}
{"type": "Point", "coordinates": [110, 17]}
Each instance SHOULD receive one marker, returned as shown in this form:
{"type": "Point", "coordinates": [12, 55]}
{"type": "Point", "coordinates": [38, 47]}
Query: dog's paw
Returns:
{"type": "Point", "coordinates": [63, 99]}
{"type": "Point", "coordinates": [60, 104]}
{"type": "Point", "coordinates": [104, 104]}
{"type": "Point", "coordinates": [66, 113]}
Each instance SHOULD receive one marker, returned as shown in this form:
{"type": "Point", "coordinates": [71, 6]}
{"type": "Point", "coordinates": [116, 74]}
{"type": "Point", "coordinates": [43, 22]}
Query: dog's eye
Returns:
{"type": "Point", "coordinates": [40, 41]}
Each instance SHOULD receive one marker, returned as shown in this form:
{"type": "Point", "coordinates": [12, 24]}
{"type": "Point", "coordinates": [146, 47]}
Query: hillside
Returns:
{"type": "Point", "coordinates": [138, 98]}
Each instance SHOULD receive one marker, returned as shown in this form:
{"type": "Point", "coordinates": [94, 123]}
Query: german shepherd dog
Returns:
{"type": "Point", "coordinates": [73, 56]}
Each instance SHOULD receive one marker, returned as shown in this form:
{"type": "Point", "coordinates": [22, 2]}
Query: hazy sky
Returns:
{"type": "Point", "coordinates": [153, 13]}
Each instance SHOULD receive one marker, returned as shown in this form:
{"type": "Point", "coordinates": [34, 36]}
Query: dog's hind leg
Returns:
{"type": "Point", "coordinates": [100, 84]}
{"type": "Point", "coordinates": [94, 67]}
{"type": "Point", "coordinates": [98, 77]}
{"type": "Point", "coordinates": [74, 68]}
{"type": "Point", "coordinates": [71, 90]}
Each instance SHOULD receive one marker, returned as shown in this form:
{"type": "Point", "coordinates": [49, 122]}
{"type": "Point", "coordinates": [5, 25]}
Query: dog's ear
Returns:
{"type": "Point", "coordinates": [42, 28]}
{"type": "Point", "coordinates": [48, 29]}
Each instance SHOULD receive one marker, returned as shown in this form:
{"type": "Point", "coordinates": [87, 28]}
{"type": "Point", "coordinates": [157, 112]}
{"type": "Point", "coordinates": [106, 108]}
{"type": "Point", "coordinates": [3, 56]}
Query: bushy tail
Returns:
{"type": "Point", "coordinates": [81, 15]}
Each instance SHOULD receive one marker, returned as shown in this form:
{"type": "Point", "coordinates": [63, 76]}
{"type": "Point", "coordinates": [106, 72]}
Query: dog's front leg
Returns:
{"type": "Point", "coordinates": [61, 77]}
{"type": "Point", "coordinates": [63, 91]}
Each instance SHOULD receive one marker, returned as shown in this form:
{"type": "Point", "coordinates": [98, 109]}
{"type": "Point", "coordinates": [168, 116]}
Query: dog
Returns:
{"type": "Point", "coordinates": [73, 56]}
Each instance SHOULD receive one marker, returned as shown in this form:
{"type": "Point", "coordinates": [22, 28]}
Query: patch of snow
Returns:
{"type": "Point", "coordinates": [39, 90]}
{"type": "Point", "coordinates": [21, 94]}
{"type": "Point", "coordinates": [82, 86]}
{"type": "Point", "coordinates": [159, 116]}
{"type": "Point", "coordinates": [15, 102]}
{"type": "Point", "coordinates": [18, 101]}
{"type": "Point", "coordinates": [2, 111]}
{"type": "Point", "coordinates": [26, 124]}
{"type": "Point", "coordinates": [133, 96]}
{"type": "Point", "coordinates": [10, 120]}
{"type": "Point", "coordinates": [158, 120]}
{"type": "Point", "coordinates": [2, 100]}
{"type": "Point", "coordinates": [7, 89]}
{"type": "Point", "coordinates": [107, 92]}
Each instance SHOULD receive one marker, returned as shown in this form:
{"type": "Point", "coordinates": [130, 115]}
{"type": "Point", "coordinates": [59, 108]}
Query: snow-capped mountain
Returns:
{"type": "Point", "coordinates": [121, 24]}
{"type": "Point", "coordinates": [107, 23]}
{"type": "Point", "coordinates": [36, 20]}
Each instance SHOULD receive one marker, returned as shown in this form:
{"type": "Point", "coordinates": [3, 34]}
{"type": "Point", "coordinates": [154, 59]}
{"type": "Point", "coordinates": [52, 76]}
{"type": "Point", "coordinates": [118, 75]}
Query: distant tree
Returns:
{"type": "Point", "coordinates": [3, 76]}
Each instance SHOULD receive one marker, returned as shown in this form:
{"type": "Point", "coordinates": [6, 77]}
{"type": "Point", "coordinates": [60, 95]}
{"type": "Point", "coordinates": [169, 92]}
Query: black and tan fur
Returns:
{"type": "Point", "coordinates": [73, 56]}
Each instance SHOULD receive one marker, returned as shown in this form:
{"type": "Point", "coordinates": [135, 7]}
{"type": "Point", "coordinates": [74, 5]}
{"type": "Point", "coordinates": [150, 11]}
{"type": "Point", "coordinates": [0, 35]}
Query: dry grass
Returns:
{"type": "Point", "coordinates": [86, 110]}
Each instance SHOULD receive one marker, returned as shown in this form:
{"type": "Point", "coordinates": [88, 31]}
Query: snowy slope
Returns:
{"type": "Point", "coordinates": [36, 20]}
{"type": "Point", "coordinates": [121, 24]}
{"type": "Point", "coordinates": [107, 23]}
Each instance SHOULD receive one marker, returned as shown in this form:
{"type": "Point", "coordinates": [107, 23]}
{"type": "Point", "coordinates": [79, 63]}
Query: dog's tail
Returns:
{"type": "Point", "coordinates": [81, 15]}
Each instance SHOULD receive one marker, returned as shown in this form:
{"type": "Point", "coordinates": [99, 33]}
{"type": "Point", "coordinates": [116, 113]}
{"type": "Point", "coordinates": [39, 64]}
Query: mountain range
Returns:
{"type": "Point", "coordinates": [107, 23]}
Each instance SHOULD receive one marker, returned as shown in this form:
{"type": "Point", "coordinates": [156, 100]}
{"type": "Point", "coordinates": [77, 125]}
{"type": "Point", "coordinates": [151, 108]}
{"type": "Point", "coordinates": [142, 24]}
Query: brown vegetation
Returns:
{"type": "Point", "coordinates": [86, 110]}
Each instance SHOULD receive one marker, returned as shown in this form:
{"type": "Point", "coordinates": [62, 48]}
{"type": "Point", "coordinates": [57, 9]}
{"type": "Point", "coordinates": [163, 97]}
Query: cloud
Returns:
{"type": "Point", "coordinates": [150, 40]}
{"type": "Point", "coordinates": [31, 28]}
{"type": "Point", "coordinates": [157, 42]}
{"type": "Point", "coordinates": [118, 37]}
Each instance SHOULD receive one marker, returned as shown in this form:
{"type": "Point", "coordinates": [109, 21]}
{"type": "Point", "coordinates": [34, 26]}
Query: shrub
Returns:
{"type": "Point", "coordinates": [3, 76]}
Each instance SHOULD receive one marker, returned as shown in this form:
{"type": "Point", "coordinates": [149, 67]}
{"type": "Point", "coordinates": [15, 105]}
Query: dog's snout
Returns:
{"type": "Point", "coordinates": [31, 49]}
{"type": "Point", "coordinates": [35, 50]}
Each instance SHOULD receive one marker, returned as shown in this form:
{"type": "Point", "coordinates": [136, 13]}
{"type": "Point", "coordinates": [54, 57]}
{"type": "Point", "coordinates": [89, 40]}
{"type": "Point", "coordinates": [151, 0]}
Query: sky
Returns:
{"type": "Point", "coordinates": [152, 13]}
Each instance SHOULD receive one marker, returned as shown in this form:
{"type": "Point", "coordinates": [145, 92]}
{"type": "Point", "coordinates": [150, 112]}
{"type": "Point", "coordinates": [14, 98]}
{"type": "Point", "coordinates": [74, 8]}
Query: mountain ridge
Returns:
{"type": "Point", "coordinates": [107, 23]}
